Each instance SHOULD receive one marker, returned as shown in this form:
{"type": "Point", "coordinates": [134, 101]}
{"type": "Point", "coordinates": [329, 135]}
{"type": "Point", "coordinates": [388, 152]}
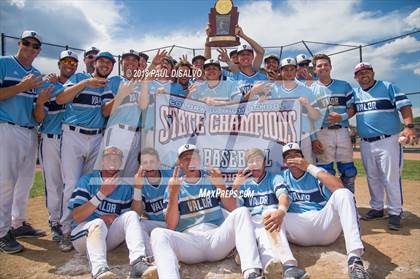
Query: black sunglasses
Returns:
{"type": "Point", "coordinates": [29, 44]}
{"type": "Point", "coordinates": [303, 64]}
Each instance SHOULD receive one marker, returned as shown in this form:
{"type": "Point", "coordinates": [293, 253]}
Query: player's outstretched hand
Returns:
{"type": "Point", "coordinates": [31, 81]}
{"type": "Point", "coordinates": [333, 118]}
{"type": "Point", "coordinates": [160, 55]}
{"type": "Point", "coordinates": [241, 177]}
{"type": "Point", "coordinates": [95, 82]}
{"type": "Point", "coordinates": [109, 218]}
{"type": "Point", "coordinates": [238, 31]}
{"type": "Point", "coordinates": [215, 177]}
{"type": "Point", "coordinates": [300, 163]}
{"type": "Point", "coordinates": [409, 136]}
{"type": "Point", "coordinates": [139, 178]}
{"type": "Point", "coordinates": [109, 184]}
{"type": "Point", "coordinates": [223, 55]}
{"type": "Point", "coordinates": [174, 183]}
{"type": "Point", "coordinates": [45, 95]}
{"type": "Point", "coordinates": [53, 78]}
{"type": "Point", "coordinates": [272, 220]}
{"type": "Point", "coordinates": [317, 147]}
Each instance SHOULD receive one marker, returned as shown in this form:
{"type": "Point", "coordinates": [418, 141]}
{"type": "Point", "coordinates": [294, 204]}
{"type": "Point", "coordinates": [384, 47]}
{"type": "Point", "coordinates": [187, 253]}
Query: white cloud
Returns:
{"type": "Point", "coordinates": [415, 67]}
{"type": "Point", "coordinates": [18, 3]}
{"type": "Point", "coordinates": [414, 19]}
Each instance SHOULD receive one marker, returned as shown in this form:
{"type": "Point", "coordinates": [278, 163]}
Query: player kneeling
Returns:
{"type": "Point", "coordinates": [103, 218]}
{"type": "Point", "coordinates": [319, 209]}
{"type": "Point", "coordinates": [197, 230]}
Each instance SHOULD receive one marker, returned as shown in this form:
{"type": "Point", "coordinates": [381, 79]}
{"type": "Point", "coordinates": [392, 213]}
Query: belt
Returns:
{"type": "Point", "coordinates": [372, 139]}
{"type": "Point", "coordinates": [333, 127]}
{"type": "Point", "coordinates": [130, 128]}
{"type": "Point", "coordinates": [53, 136]}
{"type": "Point", "coordinates": [27, 127]}
{"type": "Point", "coordinates": [85, 132]}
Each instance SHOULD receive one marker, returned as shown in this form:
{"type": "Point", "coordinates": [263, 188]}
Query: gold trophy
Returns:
{"type": "Point", "coordinates": [223, 19]}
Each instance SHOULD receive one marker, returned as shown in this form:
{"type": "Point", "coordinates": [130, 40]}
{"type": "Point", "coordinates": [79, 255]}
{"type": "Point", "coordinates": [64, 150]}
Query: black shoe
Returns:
{"type": "Point", "coordinates": [142, 267]}
{"type": "Point", "coordinates": [56, 233]}
{"type": "Point", "coordinates": [356, 269]}
{"type": "Point", "coordinates": [294, 272]}
{"type": "Point", "coordinates": [394, 222]}
{"type": "Point", "coordinates": [373, 214]}
{"type": "Point", "coordinates": [26, 230]}
{"type": "Point", "coordinates": [104, 273]}
{"type": "Point", "coordinates": [255, 275]}
{"type": "Point", "coordinates": [9, 245]}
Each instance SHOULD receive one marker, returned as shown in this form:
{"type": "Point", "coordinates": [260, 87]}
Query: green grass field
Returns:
{"type": "Point", "coordinates": [410, 172]}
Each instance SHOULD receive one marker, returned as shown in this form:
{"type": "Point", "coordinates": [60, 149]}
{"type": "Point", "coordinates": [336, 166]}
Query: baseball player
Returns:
{"type": "Point", "coordinates": [289, 88]}
{"type": "Point", "coordinates": [304, 70]}
{"type": "Point", "coordinates": [143, 57]}
{"type": "Point", "coordinates": [183, 72]}
{"type": "Point", "coordinates": [197, 230]}
{"type": "Point", "coordinates": [333, 143]}
{"type": "Point", "coordinates": [105, 210]}
{"type": "Point", "coordinates": [50, 115]}
{"type": "Point", "coordinates": [197, 65]}
{"type": "Point", "coordinates": [18, 81]}
{"type": "Point", "coordinates": [123, 128]}
{"type": "Point", "coordinates": [85, 97]}
{"type": "Point", "coordinates": [319, 208]}
{"type": "Point", "coordinates": [271, 66]}
{"type": "Point", "coordinates": [267, 212]}
{"type": "Point", "coordinates": [376, 105]}
{"type": "Point", "coordinates": [89, 59]}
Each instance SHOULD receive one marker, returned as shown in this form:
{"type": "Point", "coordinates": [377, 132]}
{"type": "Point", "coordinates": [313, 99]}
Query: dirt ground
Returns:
{"type": "Point", "coordinates": [388, 254]}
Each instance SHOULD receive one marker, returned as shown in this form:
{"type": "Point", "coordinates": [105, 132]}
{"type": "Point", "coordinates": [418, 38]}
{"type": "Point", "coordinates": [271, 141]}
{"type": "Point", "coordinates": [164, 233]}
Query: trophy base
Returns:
{"type": "Point", "coordinates": [223, 41]}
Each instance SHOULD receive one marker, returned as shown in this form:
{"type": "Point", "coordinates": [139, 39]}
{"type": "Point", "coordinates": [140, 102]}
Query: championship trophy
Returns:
{"type": "Point", "coordinates": [223, 19]}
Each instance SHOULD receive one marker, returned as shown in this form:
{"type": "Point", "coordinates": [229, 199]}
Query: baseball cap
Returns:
{"type": "Point", "coordinates": [362, 66]}
{"type": "Point", "coordinates": [92, 49]}
{"type": "Point", "coordinates": [68, 53]}
{"type": "Point", "coordinates": [112, 150]}
{"type": "Point", "coordinates": [271, 56]}
{"type": "Point", "coordinates": [291, 146]}
{"type": "Point", "coordinates": [302, 58]}
{"type": "Point", "coordinates": [198, 57]}
{"type": "Point", "coordinates": [288, 61]}
{"type": "Point", "coordinates": [144, 55]}
{"type": "Point", "coordinates": [131, 52]}
{"type": "Point", "coordinates": [209, 62]}
{"type": "Point", "coordinates": [31, 34]}
{"type": "Point", "coordinates": [245, 48]}
{"type": "Point", "coordinates": [186, 147]}
{"type": "Point", "coordinates": [105, 54]}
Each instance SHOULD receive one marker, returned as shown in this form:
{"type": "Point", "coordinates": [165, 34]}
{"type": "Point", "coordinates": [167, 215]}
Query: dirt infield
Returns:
{"type": "Point", "coordinates": [388, 254]}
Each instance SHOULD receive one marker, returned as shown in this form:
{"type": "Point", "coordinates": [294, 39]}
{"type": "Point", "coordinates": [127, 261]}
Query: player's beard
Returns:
{"type": "Point", "coordinates": [99, 74]}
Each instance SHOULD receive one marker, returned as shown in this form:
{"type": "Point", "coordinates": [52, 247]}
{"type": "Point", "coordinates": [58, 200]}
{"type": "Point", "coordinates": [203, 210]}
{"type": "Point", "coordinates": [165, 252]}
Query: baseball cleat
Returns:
{"type": "Point", "coordinates": [294, 272]}
{"type": "Point", "coordinates": [373, 214]}
{"type": "Point", "coordinates": [394, 222]}
{"type": "Point", "coordinates": [9, 245]}
{"type": "Point", "coordinates": [104, 273]}
{"type": "Point", "coordinates": [254, 275]}
{"type": "Point", "coordinates": [26, 230]}
{"type": "Point", "coordinates": [56, 233]}
{"type": "Point", "coordinates": [356, 269]}
{"type": "Point", "coordinates": [65, 243]}
{"type": "Point", "coordinates": [142, 268]}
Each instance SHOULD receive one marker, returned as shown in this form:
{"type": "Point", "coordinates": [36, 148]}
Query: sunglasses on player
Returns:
{"type": "Point", "coordinates": [70, 62]}
{"type": "Point", "coordinates": [306, 64]}
{"type": "Point", "coordinates": [29, 44]}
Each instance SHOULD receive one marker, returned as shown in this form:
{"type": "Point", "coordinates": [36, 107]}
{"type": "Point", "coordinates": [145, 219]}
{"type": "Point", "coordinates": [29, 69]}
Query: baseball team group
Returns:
{"type": "Point", "coordinates": [105, 183]}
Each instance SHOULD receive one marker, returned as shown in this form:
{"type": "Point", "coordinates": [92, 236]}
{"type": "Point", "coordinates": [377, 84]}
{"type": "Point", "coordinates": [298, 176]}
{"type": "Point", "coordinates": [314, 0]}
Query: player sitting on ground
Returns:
{"type": "Point", "coordinates": [102, 209]}
{"type": "Point", "coordinates": [319, 209]}
{"type": "Point", "coordinates": [267, 210]}
{"type": "Point", "coordinates": [197, 230]}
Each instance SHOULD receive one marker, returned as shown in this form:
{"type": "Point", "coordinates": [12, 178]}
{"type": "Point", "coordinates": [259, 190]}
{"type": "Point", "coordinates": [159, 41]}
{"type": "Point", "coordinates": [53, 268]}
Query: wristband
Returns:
{"type": "Point", "coordinates": [283, 208]}
{"type": "Point", "coordinates": [137, 194]}
{"type": "Point", "coordinates": [344, 116]}
{"type": "Point", "coordinates": [100, 196]}
{"type": "Point", "coordinates": [313, 170]}
{"type": "Point", "coordinates": [95, 201]}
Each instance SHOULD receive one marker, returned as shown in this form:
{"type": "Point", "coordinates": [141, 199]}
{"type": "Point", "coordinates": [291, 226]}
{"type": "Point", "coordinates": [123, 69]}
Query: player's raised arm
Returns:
{"type": "Point", "coordinates": [172, 211]}
{"type": "Point", "coordinates": [27, 83]}
{"type": "Point", "coordinates": [259, 50]}
{"type": "Point", "coordinates": [42, 98]}
{"type": "Point", "coordinates": [137, 204]}
{"type": "Point", "coordinates": [71, 92]}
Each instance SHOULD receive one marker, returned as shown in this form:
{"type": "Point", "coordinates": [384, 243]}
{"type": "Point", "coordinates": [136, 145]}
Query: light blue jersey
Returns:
{"type": "Point", "coordinates": [17, 109]}
{"type": "Point", "coordinates": [224, 90]}
{"type": "Point", "coordinates": [153, 196]}
{"type": "Point", "coordinates": [54, 112]}
{"type": "Point", "coordinates": [305, 194]}
{"type": "Point", "coordinates": [264, 195]}
{"type": "Point", "coordinates": [246, 82]}
{"type": "Point", "coordinates": [279, 92]}
{"type": "Point", "coordinates": [86, 108]}
{"type": "Point", "coordinates": [195, 209]}
{"type": "Point", "coordinates": [377, 109]}
{"type": "Point", "coordinates": [338, 95]}
{"type": "Point", "coordinates": [118, 202]}
{"type": "Point", "coordinates": [128, 112]}
{"type": "Point", "coordinates": [154, 86]}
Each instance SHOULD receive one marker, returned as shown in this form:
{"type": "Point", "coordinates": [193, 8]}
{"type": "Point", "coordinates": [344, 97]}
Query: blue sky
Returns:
{"type": "Point", "coordinates": [118, 25]}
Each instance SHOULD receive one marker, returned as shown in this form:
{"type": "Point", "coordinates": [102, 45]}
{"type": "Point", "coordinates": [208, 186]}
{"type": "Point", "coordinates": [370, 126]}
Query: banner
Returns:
{"type": "Point", "coordinates": [224, 133]}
